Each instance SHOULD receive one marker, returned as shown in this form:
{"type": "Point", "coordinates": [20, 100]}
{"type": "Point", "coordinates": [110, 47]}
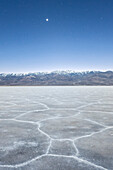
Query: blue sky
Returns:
{"type": "Point", "coordinates": [78, 35]}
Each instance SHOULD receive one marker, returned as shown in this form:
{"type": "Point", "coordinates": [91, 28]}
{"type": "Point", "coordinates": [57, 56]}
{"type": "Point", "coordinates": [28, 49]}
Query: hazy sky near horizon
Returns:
{"type": "Point", "coordinates": [78, 35]}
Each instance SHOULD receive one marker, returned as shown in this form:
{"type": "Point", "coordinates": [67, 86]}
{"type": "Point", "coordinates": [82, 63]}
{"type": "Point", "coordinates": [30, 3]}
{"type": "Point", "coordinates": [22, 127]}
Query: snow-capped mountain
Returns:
{"type": "Point", "coordinates": [68, 77]}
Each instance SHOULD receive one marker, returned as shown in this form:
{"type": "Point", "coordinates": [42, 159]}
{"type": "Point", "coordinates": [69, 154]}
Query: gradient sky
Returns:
{"type": "Point", "coordinates": [78, 35]}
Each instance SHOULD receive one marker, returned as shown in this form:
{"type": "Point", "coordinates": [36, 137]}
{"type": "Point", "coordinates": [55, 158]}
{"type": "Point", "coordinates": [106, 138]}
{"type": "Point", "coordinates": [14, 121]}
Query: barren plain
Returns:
{"type": "Point", "coordinates": [56, 128]}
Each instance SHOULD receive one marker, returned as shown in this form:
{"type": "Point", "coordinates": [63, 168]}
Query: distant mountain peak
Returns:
{"type": "Point", "coordinates": [58, 77]}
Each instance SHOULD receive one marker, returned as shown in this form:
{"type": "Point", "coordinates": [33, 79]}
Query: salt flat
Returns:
{"type": "Point", "coordinates": [56, 128]}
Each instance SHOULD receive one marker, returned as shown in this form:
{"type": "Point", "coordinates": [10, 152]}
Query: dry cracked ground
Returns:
{"type": "Point", "coordinates": [56, 128]}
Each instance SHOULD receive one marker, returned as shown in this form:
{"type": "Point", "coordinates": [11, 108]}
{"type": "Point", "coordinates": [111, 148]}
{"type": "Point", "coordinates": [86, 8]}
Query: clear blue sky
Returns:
{"type": "Point", "coordinates": [78, 35]}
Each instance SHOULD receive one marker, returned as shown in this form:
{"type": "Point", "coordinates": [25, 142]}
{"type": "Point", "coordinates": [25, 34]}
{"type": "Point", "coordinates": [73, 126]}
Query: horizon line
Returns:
{"type": "Point", "coordinates": [59, 70]}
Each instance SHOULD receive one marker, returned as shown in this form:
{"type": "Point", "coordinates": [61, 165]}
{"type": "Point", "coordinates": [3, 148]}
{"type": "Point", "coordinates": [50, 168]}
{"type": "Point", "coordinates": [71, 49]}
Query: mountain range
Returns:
{"type": "Point", "coordinates": [58, 78]}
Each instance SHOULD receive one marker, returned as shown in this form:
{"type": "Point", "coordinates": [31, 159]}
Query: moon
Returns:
{"type": "Point", "coordinates": [47, 19]}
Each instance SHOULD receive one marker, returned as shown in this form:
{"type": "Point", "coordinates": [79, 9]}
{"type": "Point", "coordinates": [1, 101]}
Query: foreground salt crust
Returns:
{"type": "Point", "coordinates": [56, 128]}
